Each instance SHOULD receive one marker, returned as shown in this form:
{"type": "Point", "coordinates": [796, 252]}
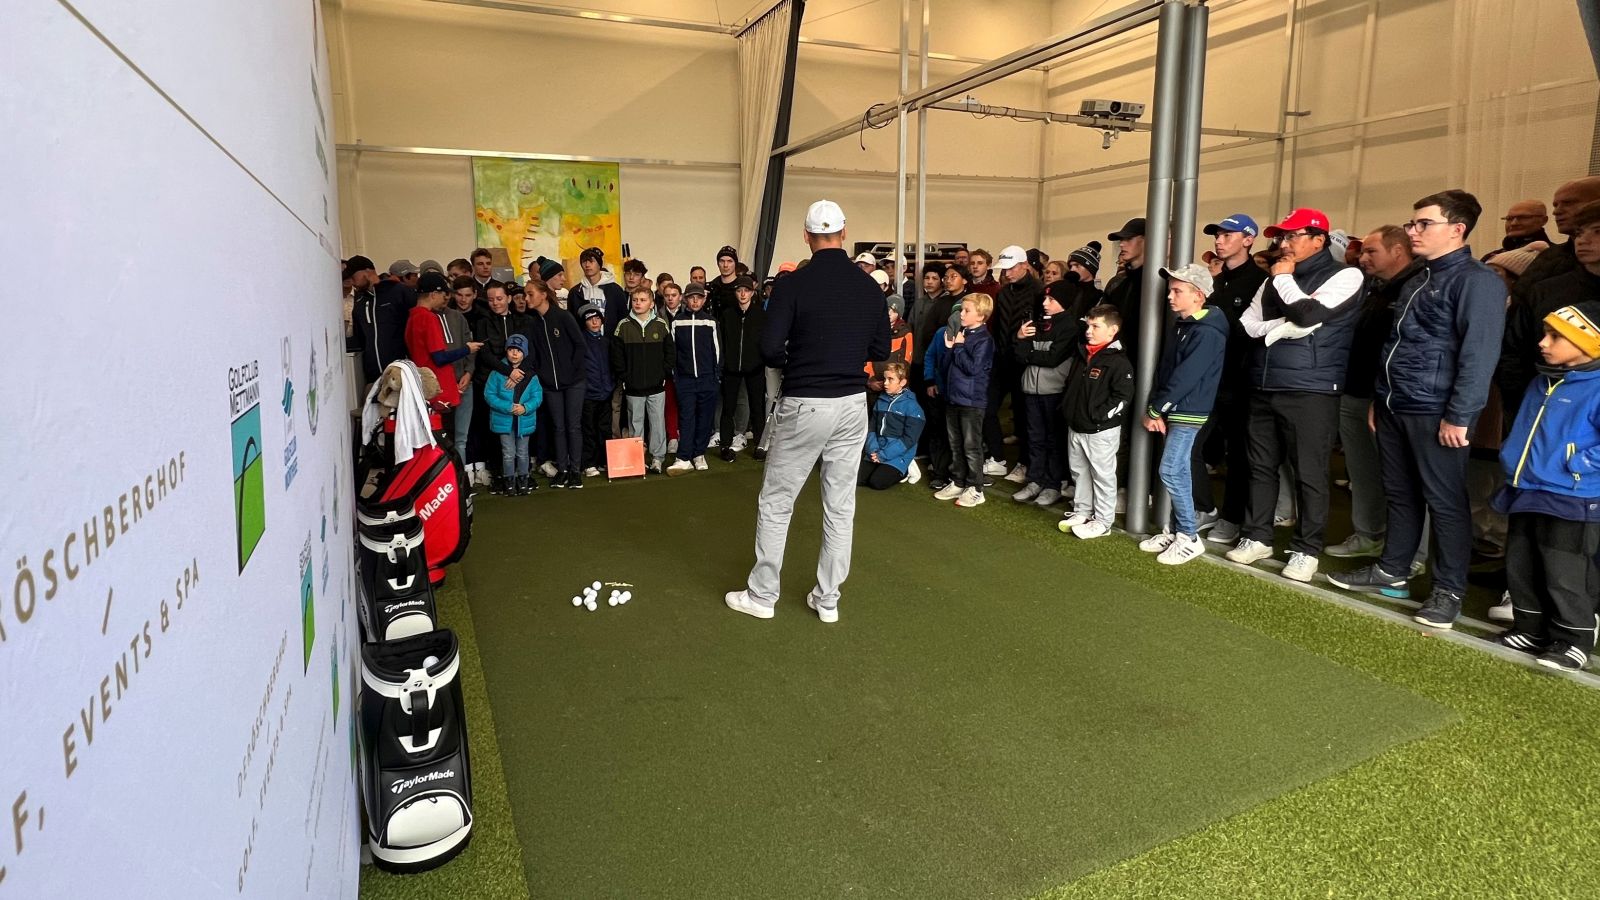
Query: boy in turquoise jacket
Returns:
{"type": "Point", "coordinates": [1552, 496]}
{"type": "Point", "coordinates": [896, 421]}
{"type": "Point", "coordinates": [512, 415]}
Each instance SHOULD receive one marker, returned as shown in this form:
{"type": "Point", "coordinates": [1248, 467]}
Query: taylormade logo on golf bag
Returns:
{"type": "Point", "coordinates": [400, 787]}
{"type": "Point", "coordinates": [394, 606]}
{"type": "Point", "coordinates": [445, 491]}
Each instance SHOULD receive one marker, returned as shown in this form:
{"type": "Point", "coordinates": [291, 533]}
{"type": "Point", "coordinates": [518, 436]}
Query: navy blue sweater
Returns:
{"type": "Point", "coordinates": [825, 321]}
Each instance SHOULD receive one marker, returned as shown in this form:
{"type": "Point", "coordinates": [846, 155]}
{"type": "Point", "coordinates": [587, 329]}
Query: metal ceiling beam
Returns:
{"type": "Point", "coordinates": [1084, 36]}
{"type": "Point", "coordinates": [359, 147]}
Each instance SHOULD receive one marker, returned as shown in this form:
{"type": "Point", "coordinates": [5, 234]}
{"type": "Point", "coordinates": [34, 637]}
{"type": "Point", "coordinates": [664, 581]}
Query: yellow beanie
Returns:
{"type": "Point", "coordinates": [1579, 324]}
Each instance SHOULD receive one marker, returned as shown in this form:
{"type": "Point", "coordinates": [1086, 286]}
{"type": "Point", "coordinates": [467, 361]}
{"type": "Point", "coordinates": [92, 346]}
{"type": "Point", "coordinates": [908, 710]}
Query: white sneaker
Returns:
{"type": "Point", "coordinates": [1047, 497]}
{"type": "Point", "coordinates": [1156, 543]}
{"type": "Point", "coordinates": [1302, 567]}
{"type": "Point", "coordinates": [913, 473]}
{"type": "Point", "coordinates": [715, 443]}
{"type": "Point", "coordinates": [969, 498]}
{"type": "Point", "coordinates": [672, 446]}
{"type": "Point", "coordinates": [737, 443]}
{"type": "Point", "coordinates": [827, 614]}
{"type": "Point", "coordinates": [1090, 530]}
{"type": "Point", "coordinates": [1248, 552]}
{"type": "Point", "coordinates": [949, 492]}
{"type": "Point", "coordinates": [740, 601]}
{"type": "Point", "coordinates": [1027, 493]}
{"type": "Point", "coordinates": [994, 467]}
{"type": "Point", "coordinates": [591, 472]}
{"type": "Point", "coordinates": [655, 466]}
{"type": "Point", "coordinates": [748, 436]}
{"type": "Point", "coordinates": [549, 469]}
{"type": "Point", "coordinates": [1018, 475]}
{"type": "Point", "coordinates": [1073, 520]}
{"type": "Point", "coordinates": [1501, 612]}
{"type": "Point", "coordinates": [1183, 548]}
{"type": "Point", "coordinates": [680, 466]}
{"type": "Point", "coordinates": [700, 464]}
{"type": "Point", "coordinates": [1009, 439]}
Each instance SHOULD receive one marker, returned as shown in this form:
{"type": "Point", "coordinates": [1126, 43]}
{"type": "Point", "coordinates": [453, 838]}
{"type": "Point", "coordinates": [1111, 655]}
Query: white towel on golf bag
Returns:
{"type": "Point", "coordinates": [412, 429]}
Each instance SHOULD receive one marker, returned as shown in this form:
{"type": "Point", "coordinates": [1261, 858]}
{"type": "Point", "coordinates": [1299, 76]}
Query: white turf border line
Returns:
{"type": "Point", "coordinates": [1482, 645]}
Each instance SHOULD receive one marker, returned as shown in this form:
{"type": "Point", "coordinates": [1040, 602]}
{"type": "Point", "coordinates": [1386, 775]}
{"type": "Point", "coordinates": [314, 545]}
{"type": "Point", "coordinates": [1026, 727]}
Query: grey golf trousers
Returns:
{"type": "Point", "coordinates": [805, 429]}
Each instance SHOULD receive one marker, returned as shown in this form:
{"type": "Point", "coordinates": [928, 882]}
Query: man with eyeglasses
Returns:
{"type": "Point", "coordinates": [1560, 258]}
{"type": "Point", "coordinates": [1525, 222]}
{"type": "Point", "coordinates": [1433, 382]}
{"type": "Point", "coordinates": [1301, 324]}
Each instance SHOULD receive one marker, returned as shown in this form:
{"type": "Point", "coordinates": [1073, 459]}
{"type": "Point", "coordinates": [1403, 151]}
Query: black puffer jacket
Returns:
{"type": "Point", "coordinates": [1099, 390]}
{"type": "Point", "coordinates": [493, 331]}
{"type": "Point", "coordinates": [379, 318]}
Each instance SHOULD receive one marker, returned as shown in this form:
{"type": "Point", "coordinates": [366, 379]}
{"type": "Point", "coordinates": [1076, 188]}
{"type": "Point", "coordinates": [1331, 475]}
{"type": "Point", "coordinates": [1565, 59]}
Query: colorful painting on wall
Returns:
{"type": "Point", "coordinates": [537, 208]}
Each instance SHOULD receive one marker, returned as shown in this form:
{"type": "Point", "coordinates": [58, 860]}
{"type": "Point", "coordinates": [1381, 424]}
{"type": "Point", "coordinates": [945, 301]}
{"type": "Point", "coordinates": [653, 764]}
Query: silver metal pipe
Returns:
{"type": "Point", "coordinates": [1158, 211]}
{"type": "Point", "coordinates": [1039, 115]}
{"type": "Point", "coordinates": [915, 275]}
{"type": "Point", "coordinates": [900, 171]}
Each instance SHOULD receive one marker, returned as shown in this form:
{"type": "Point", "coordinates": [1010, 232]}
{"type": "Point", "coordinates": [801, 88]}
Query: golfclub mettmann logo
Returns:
{"type": "Point", "coordinates": [438, 500]}
{"type": "Point", "coordinates": [409, 603]}
{"type": "Point", "coordinates": [400, 787]}
{"type": "Point", "coordinates": [249, 501]}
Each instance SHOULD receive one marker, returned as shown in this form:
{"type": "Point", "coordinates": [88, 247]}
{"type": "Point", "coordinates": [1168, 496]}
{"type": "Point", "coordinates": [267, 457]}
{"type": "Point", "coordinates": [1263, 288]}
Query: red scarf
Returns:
{"type": "Point", "coordinates": [1096, 348]}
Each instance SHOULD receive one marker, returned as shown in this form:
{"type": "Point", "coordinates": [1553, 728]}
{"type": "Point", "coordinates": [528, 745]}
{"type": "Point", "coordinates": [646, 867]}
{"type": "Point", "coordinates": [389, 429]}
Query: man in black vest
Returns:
{"type": "Point", "coordinates": [1301, 324]}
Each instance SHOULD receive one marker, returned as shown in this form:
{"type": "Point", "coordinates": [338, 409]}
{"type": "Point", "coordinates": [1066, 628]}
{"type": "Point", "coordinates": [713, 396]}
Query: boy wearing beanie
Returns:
{"type": "Point", "coordinates": [1552, 496]}
{"type": "Point", "coordinates": [512, 416]}
{"type": "Point", "coordinates": [1084, 264]}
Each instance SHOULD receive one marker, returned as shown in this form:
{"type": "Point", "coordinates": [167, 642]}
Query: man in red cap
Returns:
{"type": "Point", "coordinates": [1300, 324]}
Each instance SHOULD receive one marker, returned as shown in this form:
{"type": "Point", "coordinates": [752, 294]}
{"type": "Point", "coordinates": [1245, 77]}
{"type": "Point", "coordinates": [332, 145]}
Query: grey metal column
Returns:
{"type": "Point", "coordinates": [1158, 211]}
{"type": "Point", "coordinates": [1185, 189]}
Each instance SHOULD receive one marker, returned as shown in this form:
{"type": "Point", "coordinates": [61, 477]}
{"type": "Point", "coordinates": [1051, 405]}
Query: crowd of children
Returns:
{"type": "Point", "coordinates": [550, 373]}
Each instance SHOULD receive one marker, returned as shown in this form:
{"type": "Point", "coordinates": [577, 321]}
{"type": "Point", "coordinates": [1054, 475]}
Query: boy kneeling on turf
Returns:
{"type": "Point", "coordinates": [1186, 389]}
{"type": "Point", "coordinates": [894, 428]}
{"type": "Point", "coordinates": [1552, 496]}
{"type": "Point", "coordinates": [1099, 389]}
{"type": "Point", "coordinates": [966, 367]}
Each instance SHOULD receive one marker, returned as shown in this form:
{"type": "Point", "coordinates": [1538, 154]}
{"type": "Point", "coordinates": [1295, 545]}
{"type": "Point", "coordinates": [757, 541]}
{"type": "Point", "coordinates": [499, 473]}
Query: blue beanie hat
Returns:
{"type": "Point", "coordinates": [517, 342]}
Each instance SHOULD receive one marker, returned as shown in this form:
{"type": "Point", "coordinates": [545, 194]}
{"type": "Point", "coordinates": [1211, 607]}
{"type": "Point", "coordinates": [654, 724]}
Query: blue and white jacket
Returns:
{"type": "Point", "coordinates": [699, 363]}
{"type": "Point", "coordinates": [1554, 447]}
{"type": "Point", "coordinates": [895, 427]}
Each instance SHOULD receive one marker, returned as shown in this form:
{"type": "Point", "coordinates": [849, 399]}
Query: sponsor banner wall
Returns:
{"type": "Point", "coordinates": [177, 636]}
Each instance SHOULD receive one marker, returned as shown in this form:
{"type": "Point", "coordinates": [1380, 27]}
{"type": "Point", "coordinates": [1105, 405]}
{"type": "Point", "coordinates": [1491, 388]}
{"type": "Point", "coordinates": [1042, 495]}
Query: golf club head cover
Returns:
{"type": "Point", "coordinates": [416, 779]}
{"type": "Point", "coordinates": [397, 597]}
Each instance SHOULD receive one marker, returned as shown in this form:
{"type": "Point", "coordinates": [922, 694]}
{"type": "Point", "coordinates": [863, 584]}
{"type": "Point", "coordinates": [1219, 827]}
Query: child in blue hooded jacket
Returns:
{"type": "Point", "coordinates": [893, 430]}
{"type": "Point", "coordinates": [1552, 496]}
{"type": "Point", "coordinates": [513, 416]}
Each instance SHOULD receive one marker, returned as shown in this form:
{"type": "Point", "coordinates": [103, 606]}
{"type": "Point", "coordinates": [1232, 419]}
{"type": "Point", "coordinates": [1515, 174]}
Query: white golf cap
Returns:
{"type": "Point", "coordinates": [1009, 257]}
{"type": "Point", "coordinates": [824, 217]}
{"type": "Point", "coordinates": [867, 258]}
{"type": "Point", "coordinates": [881, 277]}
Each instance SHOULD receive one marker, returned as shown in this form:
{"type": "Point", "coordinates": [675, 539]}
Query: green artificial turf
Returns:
{"type": "Point", "coordinates": [988, 720]}
{"type": "Point", "coordinates": [1496, 802]}
{"type": "Point", "coordinates": [491, 866]}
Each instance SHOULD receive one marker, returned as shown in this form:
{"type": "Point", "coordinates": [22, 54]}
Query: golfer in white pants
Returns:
{"type": "Point", "coordinates": [824, 322]}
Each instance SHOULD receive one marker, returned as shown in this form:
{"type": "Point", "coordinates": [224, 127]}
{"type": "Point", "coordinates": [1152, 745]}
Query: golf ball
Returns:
{"type": "Point", "coordinates": [590, 606]}
{"type": "Point", "coordinates": [611, 601]}
{"type": "Point", "coordinates": [577, 601]}
{"type": "Point", "coordinates": [626, 596]}
{"type": "Point", "coordinates": [595, 586]}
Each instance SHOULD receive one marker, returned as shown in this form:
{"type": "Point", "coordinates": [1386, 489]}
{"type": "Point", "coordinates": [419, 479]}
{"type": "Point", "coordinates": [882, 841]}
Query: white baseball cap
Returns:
{"type": "Point", "coordinates": [824, 217]}
{"type": "Point", "coordinates": [1009, 257]}
{"type": "Point", "coordinates": [864, 257]}
{"type": "Point", "coordinates": [881, 277]}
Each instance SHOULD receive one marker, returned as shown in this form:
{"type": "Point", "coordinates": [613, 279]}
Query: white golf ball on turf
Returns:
{"type": "Point", "coordinates": [595, 586]}
{"type": "Point", "coordinates": [626, 596]}
{"type": "Point", "coordinates": [590, 606]}
{"type": "Point", "coordinates": [611, 601]}
{"type": "Point", "coordinates": [577, 601]}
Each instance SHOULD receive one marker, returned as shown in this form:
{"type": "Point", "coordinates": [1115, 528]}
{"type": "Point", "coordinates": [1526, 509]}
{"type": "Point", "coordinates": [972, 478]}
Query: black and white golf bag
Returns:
{"type": "Point", "coordinates": [416, 780]}
{"type": "Point", "coordinates": [397, 599]}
